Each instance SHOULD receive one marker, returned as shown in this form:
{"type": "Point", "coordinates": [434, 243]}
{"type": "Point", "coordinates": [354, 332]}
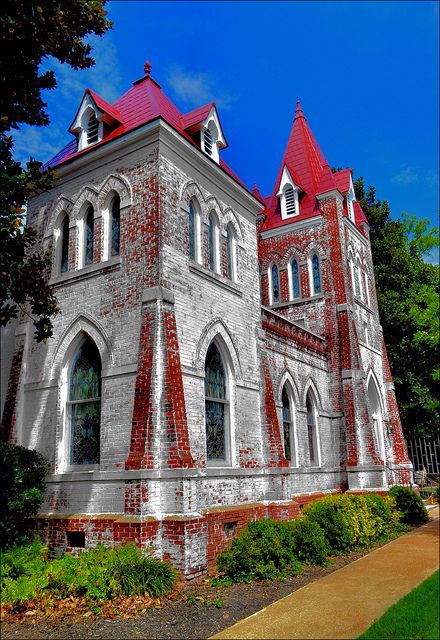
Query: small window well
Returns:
{"type": "Point", "coordinates": [229, 528]}
{"type": "Point", "coordinates": [76, 539]}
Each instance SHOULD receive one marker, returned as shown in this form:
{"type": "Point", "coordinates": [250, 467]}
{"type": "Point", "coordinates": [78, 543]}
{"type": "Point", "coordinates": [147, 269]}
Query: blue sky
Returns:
{"type": "Point", "coordinates": [366, 73]}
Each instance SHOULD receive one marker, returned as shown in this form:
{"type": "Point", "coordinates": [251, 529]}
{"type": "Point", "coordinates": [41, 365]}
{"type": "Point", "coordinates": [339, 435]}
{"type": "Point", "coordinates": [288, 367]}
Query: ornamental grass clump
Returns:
{"type": "Point", "coordinates": [98, 574]}
{"type": "Point", "coordinates": [410, 506]}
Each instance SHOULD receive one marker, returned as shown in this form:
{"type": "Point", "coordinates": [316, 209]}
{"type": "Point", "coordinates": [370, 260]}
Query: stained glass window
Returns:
{"type": "Point", "coordinates": [216, 405]}
{"type": "Point", "coordinates": [287, 424]}
{"type": "Point", "coordinates": [192, 231]}
{"type": "Point", "coordinates": [90, 226]}
{"type": "Point", "coordinates": [116, 225]}
{"type": "Point", "coordinates": [295, 279]}
{"type": "Point", "coordinates": [85, 405]}
{"type": "Point", "coordinates": [311, 431]}
{"type": "Point", "coordinates": [316, 274]}
{"type": "Point", "coordinates": [229, 257]}
{"type": "Point", "coordinates": [211, 243]}
{"type": "Point", "coordinates": [65, 245]}
{"type": "Point", "coordinates": [275, 284]}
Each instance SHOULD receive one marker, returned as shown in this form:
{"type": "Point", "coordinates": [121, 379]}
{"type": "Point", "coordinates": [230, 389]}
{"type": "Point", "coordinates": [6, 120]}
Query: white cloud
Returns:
{"type": "Point", "coordinates": [40, 143]}
{"type": "Point", "coordinates": [196, 89]}
{"type": "Point", "coordinates": [104, 77]}
{"type": "Point", "coordinates": [406, 175]}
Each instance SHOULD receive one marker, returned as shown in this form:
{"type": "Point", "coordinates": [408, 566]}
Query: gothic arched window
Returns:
{"type": "Point", "coordinates": [213, 243]}
{"type": "Point", "coordinates": [295, 279]}
{"type": "Point", "coordinates": [316, 274]}
{"type": "Point", "coordinates": [84, 405]}
{"type": "Point", "coordinates": [89, 233]}
{"type": "Point", "coordinates": [115, 225]}
{"type": "Point", "coordinates": [275, 284]}
{"type": "Point", "coordinates": [231, 253]}
{"type": "Point", "coordinates": [216, 406]}
{"type": "Point", "coordinates": [191, 231]}
{"type": "Point", "coordinates": [287, 425]}
{"type": "Point", "coordinates": [312, 434]}
{"type": "Point", "coordinates": [64, 243]}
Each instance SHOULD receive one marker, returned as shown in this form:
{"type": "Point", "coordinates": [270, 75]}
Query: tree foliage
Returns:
{"type": "Point", "coordinates": [30, 32]}
{"type": "Point", "coordinates": [408, 297]}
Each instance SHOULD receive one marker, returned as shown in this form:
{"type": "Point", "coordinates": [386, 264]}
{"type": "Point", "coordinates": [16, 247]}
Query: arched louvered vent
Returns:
{"type": "Point", "coordinates": [208, 141]}
{"type": "Point", "coordinates": [92, 129]}
{"type": "Point", "coordinates": [290, 201]}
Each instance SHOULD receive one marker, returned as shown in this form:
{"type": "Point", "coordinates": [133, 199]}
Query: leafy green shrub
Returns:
{"type": "Point", "coordinates": [98, 574]}
{"type": "Point", "coordinates": [410, 505]}
{"type": "Point", "coordinates": [264, 549]}
{"type": "Point", "coordinates": [310, 545]}
{"type": "Point", "coordinates": [352, 521]}
{"type": "Point", "coordinates": [22, 481]}
{"type": "Point", "coordinates": [437, 493]}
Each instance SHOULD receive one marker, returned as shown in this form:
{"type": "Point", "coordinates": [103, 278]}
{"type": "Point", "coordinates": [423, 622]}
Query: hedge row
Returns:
{"type": "Point", "coordinates": [328, 527]}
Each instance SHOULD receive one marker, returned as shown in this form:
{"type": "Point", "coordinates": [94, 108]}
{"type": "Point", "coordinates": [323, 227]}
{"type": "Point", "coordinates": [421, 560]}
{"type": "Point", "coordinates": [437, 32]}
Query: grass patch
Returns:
{"type": "Point", "coordinates": [416, 616]}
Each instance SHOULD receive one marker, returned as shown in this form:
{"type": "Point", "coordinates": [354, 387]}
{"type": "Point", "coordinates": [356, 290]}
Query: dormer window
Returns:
{"type": "Point", "coordinates": [211, 135]}
{"type": "Point", "coordinates": [92, 129]}
{"type": "Point", "coordinates": [351, 197]}
{"type": "Point", "coordinates": [288, 195]}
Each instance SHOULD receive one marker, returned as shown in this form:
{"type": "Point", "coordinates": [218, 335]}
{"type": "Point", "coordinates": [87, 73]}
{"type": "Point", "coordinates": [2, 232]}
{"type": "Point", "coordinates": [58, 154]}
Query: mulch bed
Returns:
{"type": "Point", "coordinates": [196, 611]}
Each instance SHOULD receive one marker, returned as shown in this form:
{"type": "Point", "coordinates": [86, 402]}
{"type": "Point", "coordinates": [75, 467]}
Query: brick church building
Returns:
{"type": "Point", "coordinates": [219, 356]}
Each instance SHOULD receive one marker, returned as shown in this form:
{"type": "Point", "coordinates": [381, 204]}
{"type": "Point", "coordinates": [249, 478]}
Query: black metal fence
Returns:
{"type": "Point", "coordinates": [425, 456]}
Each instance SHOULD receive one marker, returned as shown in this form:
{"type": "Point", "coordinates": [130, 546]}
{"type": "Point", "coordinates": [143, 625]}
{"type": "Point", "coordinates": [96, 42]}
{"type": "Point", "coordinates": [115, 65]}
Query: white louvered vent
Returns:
{"type": "Point", "coordinates": [92, 129]}
{"type": "Point", "coordinates": [290, 201]}
{"type": "Point", "coordinates": [208, 141]}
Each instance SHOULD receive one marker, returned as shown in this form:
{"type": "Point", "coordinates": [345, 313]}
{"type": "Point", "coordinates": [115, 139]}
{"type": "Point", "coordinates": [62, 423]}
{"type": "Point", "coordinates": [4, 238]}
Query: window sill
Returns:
{"type": "Point", "coordinates": [214, 277]}
{"type": "Point", "coordinates": [363, 304]}
{"type": "Point", "coordinates": [288, 303]}
{"type": "Point", "coordinates": [87, 272]}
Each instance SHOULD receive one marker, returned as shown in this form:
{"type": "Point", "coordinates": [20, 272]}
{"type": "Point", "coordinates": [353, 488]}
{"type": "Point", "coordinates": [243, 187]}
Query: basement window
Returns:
{"type": "Point", "coordinates": [76, 539]}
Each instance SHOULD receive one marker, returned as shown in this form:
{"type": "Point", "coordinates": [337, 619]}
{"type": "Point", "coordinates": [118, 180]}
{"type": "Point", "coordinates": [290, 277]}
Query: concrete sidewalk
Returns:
{"type": "Point", "coordinates": [345, 603]}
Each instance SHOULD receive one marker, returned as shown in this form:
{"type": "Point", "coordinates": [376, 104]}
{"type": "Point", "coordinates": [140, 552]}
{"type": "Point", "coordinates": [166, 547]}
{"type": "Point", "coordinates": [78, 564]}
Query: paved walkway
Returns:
{"type": "Point", "coordinates": [345, 603]}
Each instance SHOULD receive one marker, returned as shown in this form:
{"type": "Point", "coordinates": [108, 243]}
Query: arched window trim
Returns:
{"type": "Point", "coordinates": [272, 298]}
{"type": "Point", "coordinates": [313, 437]}
{"type": "Point", "coordinates": [313, 277]}
{"type": "Point", "coordinates": [292, 435]}
{"type": "Point", "coordinates": [65, 460]}
{"type": "Point", "coordinates": [89, 112]}
{"type": "Point", "coordinates": [115, 226]}
{"type": "Point", "coordinates": [228, 404]}
{"type": "Point", "coordinates": [294, 292]}
{"type": "Point", "coordinates": [376, 414]}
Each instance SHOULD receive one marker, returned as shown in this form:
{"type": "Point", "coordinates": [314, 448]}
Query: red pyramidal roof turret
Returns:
{"type": "Point", "coordinates": [308, 168]}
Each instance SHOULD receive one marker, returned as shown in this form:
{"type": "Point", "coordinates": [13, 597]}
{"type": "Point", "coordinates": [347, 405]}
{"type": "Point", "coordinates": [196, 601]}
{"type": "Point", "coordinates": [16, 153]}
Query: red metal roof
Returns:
{"type": "Point", "coordinates": [309, 170]}
{"type": "Point", "coordinates": [142, 103]}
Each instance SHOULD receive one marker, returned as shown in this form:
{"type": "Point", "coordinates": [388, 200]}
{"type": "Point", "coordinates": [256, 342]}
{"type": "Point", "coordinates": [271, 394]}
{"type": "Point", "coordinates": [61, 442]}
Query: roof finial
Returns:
{"type": "Point", "coordinates": [299, 112]}
{"type": "Point", "coordinates": [147, 68]}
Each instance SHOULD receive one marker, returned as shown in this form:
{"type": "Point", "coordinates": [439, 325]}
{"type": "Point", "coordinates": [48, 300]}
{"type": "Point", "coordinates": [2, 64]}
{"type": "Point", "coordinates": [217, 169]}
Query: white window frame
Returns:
{"type": "Point", "coordinates": [317, 443]}
{"type": "Point", "coordinates": [212, 124]}
{"type": "Point", "coordinates": [351, 198]}
{"type": "Point", "coordinates": [80, 125]}
{"type": "Point", "coordinates": [227, 461]}
{"type": "Point", "coordinates": [233, 236]}
{"type": "Point", "coordinates": [270, 283]}
{"type": "Point", "coordinates": [293, 433]}
{"type": "Point", "coordinates": [311, 278]}
{"type": "Point", "coordinates": [290, 279]}
{"type": "Point", "coordinates": [216, 240]}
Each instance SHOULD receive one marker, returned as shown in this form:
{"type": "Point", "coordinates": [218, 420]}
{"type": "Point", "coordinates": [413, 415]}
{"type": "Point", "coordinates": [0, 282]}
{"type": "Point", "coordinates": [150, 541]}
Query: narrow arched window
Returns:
{"type": "Point", "coordinates": [312, 435]}
{"type": "Point", "coordinates": [192, 231]}
{"type": "Point", "coordinates": [89, 235]}
{"type": "Point", "coordinates": [212, 243]}
{"type": "Point", "coordinates": [115, 225]}
{"type": "Point", "coordinates": [316, 274]}
{"type": "Point", "coordinates": [359, 280]}
{"type": "Point", "coordinates": [216, 405]}
{"type": "Point", "coordinates": [64, 262]}
{"type": "Point", "coordinates": [287, 425]}
{"type": "Point", "coordinates": [295, 279]}
{"type": "Point", "coordinates": [84, 405]}
{"type": "Point", "coordinates": [92, 129]}
{"type": "Point", "coordinates": [367, 287]}
{"type": "Point", "coordinates": [231, 253]}
{"type": "Point", "coordinates": [275, 284]}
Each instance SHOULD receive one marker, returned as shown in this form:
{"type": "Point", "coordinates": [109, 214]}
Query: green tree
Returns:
{"type": "Point", "coordinates": [31, 31]}
{"type": "Point", "coordinates": [408, 297]}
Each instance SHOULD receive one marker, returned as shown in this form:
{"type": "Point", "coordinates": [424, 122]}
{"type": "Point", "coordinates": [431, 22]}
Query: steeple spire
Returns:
{"type": "Point", "coordinates": [299, 112]}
